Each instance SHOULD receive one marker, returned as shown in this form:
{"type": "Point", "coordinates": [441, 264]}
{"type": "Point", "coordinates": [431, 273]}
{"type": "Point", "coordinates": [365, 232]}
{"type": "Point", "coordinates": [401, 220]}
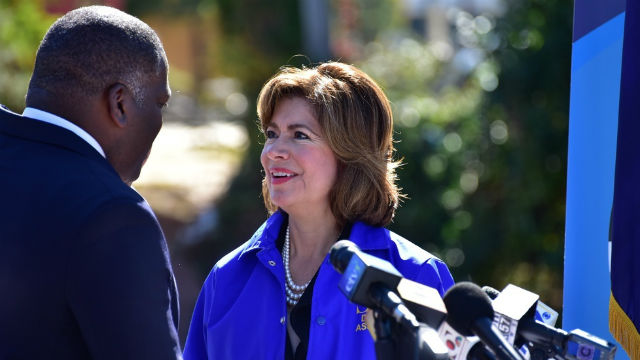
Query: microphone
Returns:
{"type": "Point", "coordinates": [368, 280]}
{"type": "Point", "coordinates": [544, 312]}
{"type": "Point", "coordinates": [469, 312]}
{"type": "Point", "coordinates": [365, 280]}
{"type": "Point", "coordinates": [365, 277]}
{"type": "Point", "coordinates": [515, 308]}
{"type": "Point", "coordinates": [582, 345]}
{"type": "Point", "coordinates": [511, 306]}
{"type": "Point", "coordinates": [361, 271]}
{"type": "Point", "coordinates": [576, 344]}
{"type": "Point", "coordinates": [389, 302]}
{"type": "Point", "coordinates": [371, 281]}
{"type": "Point", "coordinates": [462, 347]}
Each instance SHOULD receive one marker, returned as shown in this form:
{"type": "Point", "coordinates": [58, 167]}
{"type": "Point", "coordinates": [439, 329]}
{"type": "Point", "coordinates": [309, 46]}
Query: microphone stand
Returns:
{"type": "Point", "coordinates": [384, 342]}
{"type": "Point", "coordinates": [396, 342]}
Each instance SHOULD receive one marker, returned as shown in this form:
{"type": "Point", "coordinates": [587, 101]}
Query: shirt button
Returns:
{"type": "Point", "coordinates": [272, 263]}
{"type": "Point", "coordinates": [282, 320]}
{"type": "Point", "coordinates": [321, 320]}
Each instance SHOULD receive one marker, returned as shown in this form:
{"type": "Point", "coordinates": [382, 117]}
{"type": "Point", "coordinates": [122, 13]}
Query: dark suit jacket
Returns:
{"type": "Point", "coordinates": [84, 266]}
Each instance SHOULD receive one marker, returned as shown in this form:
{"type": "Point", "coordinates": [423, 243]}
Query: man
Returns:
{"type": "Point", "coordinates": [84, 266]}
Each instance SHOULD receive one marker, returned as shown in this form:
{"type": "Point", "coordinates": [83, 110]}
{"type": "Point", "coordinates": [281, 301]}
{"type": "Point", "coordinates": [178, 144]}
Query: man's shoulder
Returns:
{"type": "Point", "coordinates": [59, 162]}
{"type": "Point", "coordinates": [93, 182]}
{"type": "Point", "coordinates": [73, 184]}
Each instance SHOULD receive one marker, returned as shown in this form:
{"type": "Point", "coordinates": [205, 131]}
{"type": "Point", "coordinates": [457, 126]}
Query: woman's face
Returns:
{"type": "Point", "coordinates": [299, 166]}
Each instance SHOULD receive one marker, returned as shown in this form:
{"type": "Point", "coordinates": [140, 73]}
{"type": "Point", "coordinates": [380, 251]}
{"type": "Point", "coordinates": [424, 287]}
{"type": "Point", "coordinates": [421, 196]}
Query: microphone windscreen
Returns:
{"type": "Point", "coordinates": [491, 292]}
{"type": "Point", "coordinates": [466, 303]}
{"type": "Point", "coordinates": [341, 253]}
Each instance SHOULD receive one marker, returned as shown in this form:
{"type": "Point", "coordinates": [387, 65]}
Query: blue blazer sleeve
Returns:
{"type": "Point", "coordinates": [121, 287]}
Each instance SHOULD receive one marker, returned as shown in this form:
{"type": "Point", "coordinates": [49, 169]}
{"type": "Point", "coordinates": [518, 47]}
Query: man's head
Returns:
{"type": "Point", "coordinates": [105, 71]}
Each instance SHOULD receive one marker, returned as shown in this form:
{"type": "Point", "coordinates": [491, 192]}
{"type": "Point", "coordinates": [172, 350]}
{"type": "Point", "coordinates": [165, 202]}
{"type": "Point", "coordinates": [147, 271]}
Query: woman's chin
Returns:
{"type": "Point", "coordinates": [279, 202]}
{"type": "Point", "coordinates": [287, 207]}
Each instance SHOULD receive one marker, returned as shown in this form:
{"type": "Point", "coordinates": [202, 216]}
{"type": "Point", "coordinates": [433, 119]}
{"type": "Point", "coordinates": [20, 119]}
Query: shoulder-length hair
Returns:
{"type": "Point", "coordinates": [356, 120]}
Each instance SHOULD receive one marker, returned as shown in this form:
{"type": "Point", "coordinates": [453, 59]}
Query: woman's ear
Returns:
{"type": "Point", "coordinates": [116, 102]}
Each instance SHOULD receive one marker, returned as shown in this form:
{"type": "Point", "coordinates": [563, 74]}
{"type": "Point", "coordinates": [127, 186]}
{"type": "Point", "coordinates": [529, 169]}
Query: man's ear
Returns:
{"type": "Point", "coordinates": [117, 96]}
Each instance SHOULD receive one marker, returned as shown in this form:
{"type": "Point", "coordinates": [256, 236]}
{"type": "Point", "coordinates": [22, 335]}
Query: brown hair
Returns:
{"type": "Point", "coordinates": [356, 120]}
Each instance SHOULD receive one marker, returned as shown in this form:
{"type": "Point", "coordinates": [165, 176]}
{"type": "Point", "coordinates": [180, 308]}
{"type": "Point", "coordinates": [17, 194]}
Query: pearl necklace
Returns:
{"type": "Point", "coordinates": [294, 291]}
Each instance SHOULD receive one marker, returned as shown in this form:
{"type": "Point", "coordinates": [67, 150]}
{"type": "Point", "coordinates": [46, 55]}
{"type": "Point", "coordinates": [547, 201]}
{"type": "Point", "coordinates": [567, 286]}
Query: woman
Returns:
{"type": "Point", "coordinates": [329, 174]}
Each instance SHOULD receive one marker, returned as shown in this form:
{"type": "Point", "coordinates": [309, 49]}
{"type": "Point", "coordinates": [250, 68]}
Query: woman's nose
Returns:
{"type": "Point", "coordinates": [277, 150]}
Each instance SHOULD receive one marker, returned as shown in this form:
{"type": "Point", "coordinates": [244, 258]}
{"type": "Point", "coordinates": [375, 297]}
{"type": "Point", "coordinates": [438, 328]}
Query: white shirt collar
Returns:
{"type": "Point", "coordinates": [50, 118]}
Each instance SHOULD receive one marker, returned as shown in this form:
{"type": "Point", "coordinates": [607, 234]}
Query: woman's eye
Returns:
{"type": "Point", "coordinates": [301, 135]}
{"type": "Point", "coordinates": [270, 134]}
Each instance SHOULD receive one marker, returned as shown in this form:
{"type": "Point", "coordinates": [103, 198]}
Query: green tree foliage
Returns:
{"type": "Point", "coordinates": [530, 172]}
{"type": "Point", "coordinates": [485, 153]}
{"type": "Point", "coordinates": [22, 26]}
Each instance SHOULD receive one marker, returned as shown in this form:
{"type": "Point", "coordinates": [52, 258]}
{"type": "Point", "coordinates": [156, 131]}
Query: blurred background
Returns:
{"type": "Point", "coordinates": [479, 90]}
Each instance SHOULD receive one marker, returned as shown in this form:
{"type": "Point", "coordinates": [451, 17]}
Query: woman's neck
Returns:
{"type": "Point", "coordinates": [312, 235]}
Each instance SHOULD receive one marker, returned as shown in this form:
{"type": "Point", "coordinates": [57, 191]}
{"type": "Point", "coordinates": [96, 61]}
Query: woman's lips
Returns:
{"type": "Point", "coordinates": [281, 176]}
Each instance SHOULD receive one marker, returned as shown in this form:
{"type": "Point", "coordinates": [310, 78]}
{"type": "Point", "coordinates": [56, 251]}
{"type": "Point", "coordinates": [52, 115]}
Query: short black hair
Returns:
{"type": "Point", "coordinates": [91, 48]}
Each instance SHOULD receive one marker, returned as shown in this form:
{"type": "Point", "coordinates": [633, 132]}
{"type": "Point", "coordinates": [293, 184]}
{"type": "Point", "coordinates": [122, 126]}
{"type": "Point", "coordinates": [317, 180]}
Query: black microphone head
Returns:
{"type": "Point", "coordinates": [466, 303]}
{"type": "Point", "coordinates": [341, 253]}
{"type": "Point", "coordinates": [491, 292]}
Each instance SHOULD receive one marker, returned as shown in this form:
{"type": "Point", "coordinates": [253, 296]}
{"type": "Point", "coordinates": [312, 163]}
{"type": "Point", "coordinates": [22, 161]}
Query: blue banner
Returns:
{"type": "Point", "coordinates": [624, 311]}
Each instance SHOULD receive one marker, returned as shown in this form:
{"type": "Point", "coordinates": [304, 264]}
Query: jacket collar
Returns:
{"type": "Point", "coordinates": [370, 237]}
{"type": "Point", "coordinates": [366, 237]}
{"type": "Point", "coordinates": [266, 235]}
{"type": "Point", "coordinates": [35, 130]}
{"type": "Point", "coordinates": [33, 113]}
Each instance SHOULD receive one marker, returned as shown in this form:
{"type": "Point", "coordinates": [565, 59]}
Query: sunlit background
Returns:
{"type": "Point", "coordinates": [479, 90]}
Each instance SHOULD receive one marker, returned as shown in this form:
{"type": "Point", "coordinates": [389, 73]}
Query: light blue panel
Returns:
{"type": "Point", "coordinates": [597, 41]}
{"type": "Point", "coordinates": [593, 122]}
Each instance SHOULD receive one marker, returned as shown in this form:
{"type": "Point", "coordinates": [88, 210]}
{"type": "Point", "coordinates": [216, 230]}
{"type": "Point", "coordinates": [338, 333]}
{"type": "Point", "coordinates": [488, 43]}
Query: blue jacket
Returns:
{"type": "Point", "coordinates": [241, 310]}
